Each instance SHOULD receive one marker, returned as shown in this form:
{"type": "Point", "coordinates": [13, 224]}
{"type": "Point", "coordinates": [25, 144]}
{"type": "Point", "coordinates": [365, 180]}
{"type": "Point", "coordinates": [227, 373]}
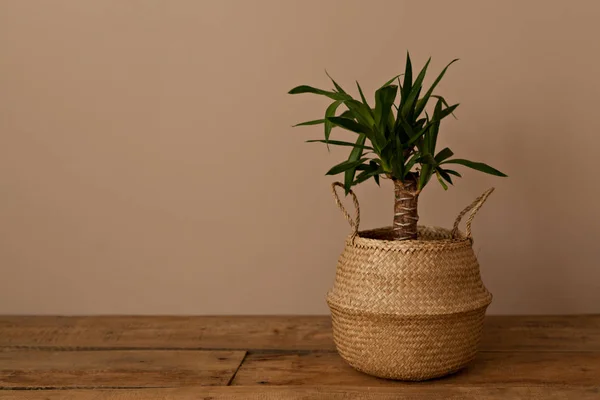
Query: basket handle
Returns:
{"type": "Point", "coordinates": [473, 207]}
{"type": "Point", "coordinates": [354, 223]}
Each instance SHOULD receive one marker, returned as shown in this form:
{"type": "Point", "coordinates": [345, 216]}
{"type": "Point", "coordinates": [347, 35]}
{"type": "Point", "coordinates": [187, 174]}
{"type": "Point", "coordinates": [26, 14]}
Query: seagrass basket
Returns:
{"type": "Point", "coordinates": [409, 310]}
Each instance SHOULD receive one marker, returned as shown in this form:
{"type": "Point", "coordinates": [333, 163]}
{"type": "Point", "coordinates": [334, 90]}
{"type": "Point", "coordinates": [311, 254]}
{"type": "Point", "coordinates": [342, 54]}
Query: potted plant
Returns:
{"type": "Point", "coordinates": [408, 301]}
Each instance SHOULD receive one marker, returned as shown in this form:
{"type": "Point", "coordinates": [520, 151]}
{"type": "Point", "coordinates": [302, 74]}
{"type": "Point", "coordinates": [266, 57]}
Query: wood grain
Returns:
{"type": "Point", "coordinates": [278, 333]}
{"type": "Point", "coordinates": [542, 333]}
{"type": "Point", "coordinates": [502, 333]}
{"type": "Point", "coordinates": [129, 368]}
{"type": "Point", "coordinates": [328, 369]}
{"type": "Point", "coordinates": [318, 393]}
{"type": "Point", "coordinates": [135, 358]}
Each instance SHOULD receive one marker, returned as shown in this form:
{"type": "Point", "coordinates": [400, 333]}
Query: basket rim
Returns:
{"type": "Point", "coordinates": [411, 244]}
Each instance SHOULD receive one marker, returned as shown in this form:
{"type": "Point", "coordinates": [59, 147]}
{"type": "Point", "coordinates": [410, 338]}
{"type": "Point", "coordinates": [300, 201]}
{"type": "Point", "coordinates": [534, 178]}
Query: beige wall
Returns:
{"type": "Point", "coordinates": [147, 163]}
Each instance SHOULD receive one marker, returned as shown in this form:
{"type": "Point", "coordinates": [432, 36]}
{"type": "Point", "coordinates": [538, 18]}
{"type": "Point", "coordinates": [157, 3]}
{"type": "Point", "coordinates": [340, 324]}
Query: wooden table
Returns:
{"type": "Point", "coordinates": [277, 358]}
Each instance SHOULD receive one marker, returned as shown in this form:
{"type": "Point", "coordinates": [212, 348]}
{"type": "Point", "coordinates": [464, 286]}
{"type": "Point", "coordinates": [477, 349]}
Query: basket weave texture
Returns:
{"type": "Point", "coordinates": [411, 309]}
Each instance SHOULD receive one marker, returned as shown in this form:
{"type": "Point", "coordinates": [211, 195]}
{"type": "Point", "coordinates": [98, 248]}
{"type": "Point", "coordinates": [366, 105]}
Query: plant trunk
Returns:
{"type": "Point", "coordinates": [406, 200]}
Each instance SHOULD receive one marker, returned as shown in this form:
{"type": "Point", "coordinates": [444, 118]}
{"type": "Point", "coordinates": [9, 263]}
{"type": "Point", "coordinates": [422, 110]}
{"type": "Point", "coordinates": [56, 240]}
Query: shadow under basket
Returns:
{"type": "Point", "coordinates": [412, 309]}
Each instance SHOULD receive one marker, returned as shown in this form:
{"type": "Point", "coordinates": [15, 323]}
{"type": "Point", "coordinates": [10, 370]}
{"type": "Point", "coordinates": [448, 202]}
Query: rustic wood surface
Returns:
{"type": "Point", "coordinates": [502, 333]}
{"type": "Point", "coordinates": [541, 357]}
{"type": "Point", "coordinates": [242, 333]}
{"type": "Point", "coordinates": [471, 392]}
{"type": "Point", "coordinates": [328, 369]}
{"type": "Point", "coordinates": [123, 368]}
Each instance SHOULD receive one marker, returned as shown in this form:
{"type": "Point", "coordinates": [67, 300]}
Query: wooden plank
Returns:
{"type": "Point", "coordinates": [520, 368]}
{"type": "Point", "coordinates": [121, 368]}
{"type": "Point", "coordinates": [415, 392]}
{"type": "Point", "coordinates": [140, 332]}
{"type": "Point", "coordinates": [542, 333]}
{"type": "Point", "coordinates": [502, 333]}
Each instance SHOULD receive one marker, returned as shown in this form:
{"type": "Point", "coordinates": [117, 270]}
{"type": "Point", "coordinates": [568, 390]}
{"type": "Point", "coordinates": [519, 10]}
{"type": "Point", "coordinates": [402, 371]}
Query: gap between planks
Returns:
{"type": "Point", "coordinates": [237, 369]}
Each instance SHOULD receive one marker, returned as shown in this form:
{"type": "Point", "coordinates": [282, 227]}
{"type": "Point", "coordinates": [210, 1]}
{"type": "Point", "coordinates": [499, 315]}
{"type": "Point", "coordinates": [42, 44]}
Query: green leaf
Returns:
{"type": "Point", "coordinates": [338, 143]}
{"type": "Point", "coordinates": [444, 102]}
{"type": "Point", "coordinates": [386, 147]}
{"type": "Point", "coordinates": [391, 121]}
{"type": "Point", "coordinates": [369, 170]}
{"type": "Point", "coordinates": [411, 163]}
{"type": "Point", "coordinates": [338, 87]}
{"type": "Point", "coordinates": [330, 112]}
{"type": "Point", "coordinates": [347, 114]}
{"type": "Point", "coordinates": [423, 102]}
{"type": "Point", "coordinates": [414, 138]}
{"type": "Point", "coordinates": [363, 176]}
{"type": "Point", "coordinates": [400, 156]}
{"type": "Point", "coordinates": [407, 86]}
{"type": "Point", "coordinates": [399, 85]}
{"type": "Point", "coordinates": [477, 166]}
{"type": "Point", "coordinates": [349, 124]}
{"type": "Point", "coordinates": [391, 80]}
{"type": "Point", "coordinates": [441, 181]}
{"type": "Point", "coordinates": [400, 126]}
{"type": "Point", "coordinates": [447, 111]}
{"type": "Point", "coordinates": [344, 166]}
{"type": "Point", "coordinates": [362, 112]}
{"type": "Point", "coordinates": [444, 175]}
{"type": "Point", "coordinates": [433, 131]}
{"type": "Point", "coordinates": [365, 103]}
{"type": "Point", "coordinates": [310, 89]}
{"type": "Point", "coordinates": [452, 172]}
{"type": "Point", "coordinates": [420, 123]}
{"type": "Point", "coordinates": [407, 129]}
{"type": "Point", "coordinates": [314, 122]}
{"type": "Point", "coordinates": [427, 159]}
{"type": "Point", "coordinates": [394, 156]}
{"type": "Point", "coordinates": [425, 175]}
{"type": "Point", "coordinates": [376, 177]}
{"type": "Point", "coordinates": [362, 95]}
{"type": "Point", "coordinates": [384, 98]}
{"type": "Point", "coordinates": [443, 155]}
{"type": "Point", "coordinates": [355, 155]}
{"type": "Point", "coordinates": [407, 108]}
{"type": "Point", "coordinates": [434, 124]}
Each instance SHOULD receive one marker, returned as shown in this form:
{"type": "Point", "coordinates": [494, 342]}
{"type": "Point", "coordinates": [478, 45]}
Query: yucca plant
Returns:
{"type": "Point", "coordinates": [395, 141]}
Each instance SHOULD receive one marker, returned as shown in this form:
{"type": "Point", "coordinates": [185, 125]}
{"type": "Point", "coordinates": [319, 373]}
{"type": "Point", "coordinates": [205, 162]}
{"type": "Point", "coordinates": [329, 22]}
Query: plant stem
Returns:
{"type": "Point", "coordinates": [406, 200]}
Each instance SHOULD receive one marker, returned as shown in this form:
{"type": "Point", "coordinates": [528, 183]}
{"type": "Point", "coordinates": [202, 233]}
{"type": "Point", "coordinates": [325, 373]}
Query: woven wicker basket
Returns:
{"type": "Point", "coordinates": [409, 310]}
